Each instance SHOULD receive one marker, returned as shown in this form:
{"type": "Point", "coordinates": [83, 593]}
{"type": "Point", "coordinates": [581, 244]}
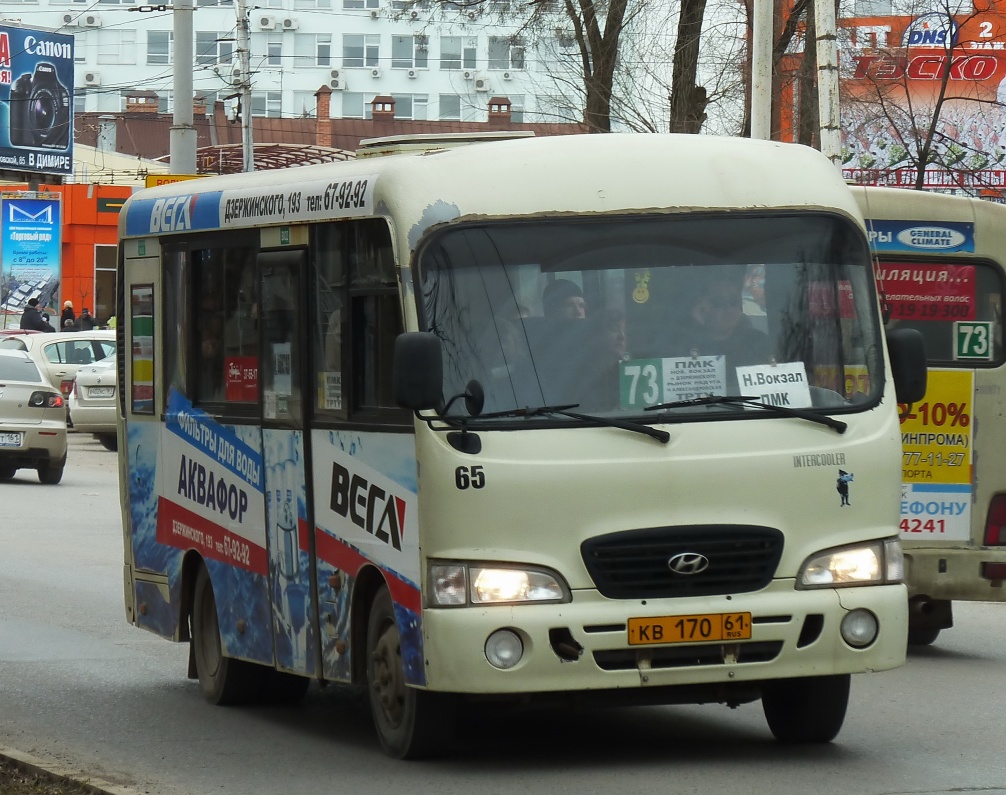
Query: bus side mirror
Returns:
{"type": "Point", "coordinates": [908, 363]}
{"type": "Point", "coordinates": [417, 373]}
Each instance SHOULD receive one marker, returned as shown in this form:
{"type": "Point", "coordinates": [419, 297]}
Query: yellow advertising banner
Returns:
{"type": "Point", "coordinates": [153, 180]}
{"type": "Point", "coordinates": [937, 442]}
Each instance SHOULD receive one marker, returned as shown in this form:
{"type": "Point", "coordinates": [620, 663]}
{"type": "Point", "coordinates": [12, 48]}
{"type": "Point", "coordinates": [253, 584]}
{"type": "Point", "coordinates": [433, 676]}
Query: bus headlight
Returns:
{"type": "Point", "coordinates": [873, 563]}
{"type": "Point", "coordinates": [457, 584]}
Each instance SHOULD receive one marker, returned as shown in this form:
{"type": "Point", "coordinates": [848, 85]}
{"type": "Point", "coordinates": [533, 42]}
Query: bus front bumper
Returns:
{"type": "Point", "coordinates": [584, 645]}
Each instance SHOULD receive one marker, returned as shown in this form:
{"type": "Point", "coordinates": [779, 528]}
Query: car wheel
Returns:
{"type": "Point", "coordinates": [809, 710]}
{"type": "Point", "coordinates": [223, 680]}
{"type": "Point", "coordinates": [410, 723]}
{"type": "Point", "coordinates": [50, 474]}
{"type": "Point", "coordinates": [6, 473]}
{"type": "Point", "coordinates": [109, 441]}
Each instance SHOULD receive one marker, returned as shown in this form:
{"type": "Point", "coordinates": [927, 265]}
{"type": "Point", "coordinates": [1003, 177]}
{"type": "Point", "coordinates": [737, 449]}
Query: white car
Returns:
{"type": "Point", "coordinates": [32, 420]}
{"type": "Point", "coordinates": [93, 401]}
{"type": "Point", "coordinates": [60, 353]}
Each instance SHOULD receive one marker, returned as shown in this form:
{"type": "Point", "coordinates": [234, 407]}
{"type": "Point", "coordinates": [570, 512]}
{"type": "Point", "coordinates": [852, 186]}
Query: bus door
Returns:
{"type": "Point", "coordinates": [284, 460]}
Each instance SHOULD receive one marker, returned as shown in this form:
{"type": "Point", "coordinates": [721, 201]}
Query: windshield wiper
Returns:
{"type": "Point", "coordinates": [564, 410]}
{"type": "Point", "coordinates": [750, 400]}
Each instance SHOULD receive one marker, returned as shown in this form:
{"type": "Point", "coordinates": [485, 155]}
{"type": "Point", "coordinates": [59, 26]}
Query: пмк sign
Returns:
{"type": "Point", "coordinates": [36, 100]}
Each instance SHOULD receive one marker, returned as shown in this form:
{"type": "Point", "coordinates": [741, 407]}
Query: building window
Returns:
{"type": "Point", "coordinates": [305, 104]}
{"type": "Point", "coordinates": [458, 52]}
{"type": "Point", "coordinates": [267, 103]}
{"type": "Point", "coordinates": [873, 8]}
{"type": "Point", "coordinates": [412, 106]}
{"type": "Point", "coordinates": [274, 49]}
{"type": "Point", "coordinates": [357, 106]}
{"type": "Point", "coordinates": [361, 3]}
{"type": "Point", "coordinates": [505, 53]}
{"type": "Point", "coordinates": [312, 49]}
{"type": "Point", "coordinates": [409, 52]}
{"type": "Point", "coordinates": [117, 47]}
{"type": "Point", "coordinates": [516, 108]}
{"type": "Point", "coordinates": [164, 103]}
{"type": "Point", "coordinates": [450, 107]}
{"type": "Point", "coordinates": [210, 51]}
{"type": "Point", "coordinates": [214, 2]}
{"type": "Point", "coordinates": [312, 4]}
{"type": "Point", "coordinates": [358, 51]}
{"type": "Point", "coordinates": [159, 47]}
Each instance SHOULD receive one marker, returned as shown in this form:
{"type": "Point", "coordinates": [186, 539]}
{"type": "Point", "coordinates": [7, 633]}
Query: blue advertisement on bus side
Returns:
{"type": "Point", "coordinates": [921, 236]}
{"type": "Point", "coordinates": [36, 100]}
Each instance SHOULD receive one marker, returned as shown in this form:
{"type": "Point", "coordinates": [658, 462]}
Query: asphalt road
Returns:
{"type": "Point", "coordinates": [84, 692]}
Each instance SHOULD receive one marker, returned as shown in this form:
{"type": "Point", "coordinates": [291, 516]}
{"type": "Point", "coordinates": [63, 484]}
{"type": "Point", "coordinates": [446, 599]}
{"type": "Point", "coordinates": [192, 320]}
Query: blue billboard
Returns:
{"type": "Point", "coordinates": [30, 244]}
{"type": "Point", "coordinates": [36, 100]}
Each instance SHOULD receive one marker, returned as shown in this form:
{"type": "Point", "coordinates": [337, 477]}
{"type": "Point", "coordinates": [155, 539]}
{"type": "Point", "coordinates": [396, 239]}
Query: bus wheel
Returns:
{"type": "Point", "coordinates": [809, 710]}
{"type": "Point", "coordinates": [223, 680]}
{"type": "Point", "coordinates": [410, 723]}
{"type": "Point", "coordinates": [922, 636]}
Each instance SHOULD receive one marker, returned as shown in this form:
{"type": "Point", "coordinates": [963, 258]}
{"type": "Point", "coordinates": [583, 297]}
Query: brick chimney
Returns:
{"type": "Point", "coordinates": [383, 108]}
{"type": "Point", "coordinates": [141, 102]}
{"type": "Point", "coordinates": [323, 114]}
{"type": "Point", "coordinates": [199, 105]}
{"type": "Point", "coordinates": [499, 113]}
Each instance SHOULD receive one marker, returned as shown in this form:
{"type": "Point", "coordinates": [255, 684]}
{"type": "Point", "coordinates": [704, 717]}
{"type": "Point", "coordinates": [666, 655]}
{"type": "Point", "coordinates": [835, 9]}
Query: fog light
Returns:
{"type": "Point", "coordinates": [859, 628]}
{"type": "Point", "coordinates": [504, 649]}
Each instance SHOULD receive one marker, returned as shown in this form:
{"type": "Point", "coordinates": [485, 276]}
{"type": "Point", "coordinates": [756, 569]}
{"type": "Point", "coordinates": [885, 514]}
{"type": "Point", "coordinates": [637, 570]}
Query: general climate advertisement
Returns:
{"type": "Point", "coordinates": [36, 100]}
{"type": "Point", "coordinates": [30, 262]}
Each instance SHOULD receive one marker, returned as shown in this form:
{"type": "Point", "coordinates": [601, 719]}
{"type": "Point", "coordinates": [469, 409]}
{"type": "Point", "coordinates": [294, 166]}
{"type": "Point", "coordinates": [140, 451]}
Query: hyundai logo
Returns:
{"type": "Point", "coordinates": [688, 563]}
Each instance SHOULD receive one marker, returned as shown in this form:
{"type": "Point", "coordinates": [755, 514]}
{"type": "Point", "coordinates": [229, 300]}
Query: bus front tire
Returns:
{"type": "Point", "coordinates": [922, 636]}
{"type": "Point", "coordinates": [223, 680]}
{"type": "Point", "coordinates": [410, 723]}
{"type": "Point", "coordinates": [809, 710]}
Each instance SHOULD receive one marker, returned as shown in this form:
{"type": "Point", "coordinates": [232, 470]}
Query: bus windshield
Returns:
{"type": "Point", "coordinates": [618, 315]}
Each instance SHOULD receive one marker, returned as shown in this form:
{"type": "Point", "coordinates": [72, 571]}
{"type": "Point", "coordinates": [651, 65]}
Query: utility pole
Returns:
{"type": "Point", "coordinates": [182, 145]}
{"type": "Point", "coordinates": [243, 84]}
{"type": "Point", "coordinates": [761, 69]}
{"type": "Point", "coordinates": [827, 81]}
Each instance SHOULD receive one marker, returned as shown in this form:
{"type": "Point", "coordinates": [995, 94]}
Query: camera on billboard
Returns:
{"type": "Point", "coordinates": [40, 109]}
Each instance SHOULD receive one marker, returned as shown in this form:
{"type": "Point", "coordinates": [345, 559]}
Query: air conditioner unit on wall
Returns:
{"type": "Point", "coordinates": [265, 22]}
{"type": "Point", "coordinates": [289, 23]}
{"type": "Point", "coordinates": [507, 76]}
{"type": "Point", "coordinates": [92, 78]}
{"type": "Point", "coordinates": [481, 83]}
{"type": "Point", "coordinates": [413, 15]}
{"type": "Point", "coordinates": [375, 72]}
{"type": "Point", "coordinates": [375, 14]}
{"type": "Point", "coordinates": [413, 73]}
{"type": "Point", "coordinates": [337, 84]}
{"type": "Point", "coordinates": [336, 74]}
{"type": "Point", "coordinates": [71, 20]}
{"type": "Point", "coordinates": [468, 74]}
{"type": "Point", "coordinates": [90, 21]}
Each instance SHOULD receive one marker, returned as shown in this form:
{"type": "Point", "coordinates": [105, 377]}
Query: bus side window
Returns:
{"type": "Point", "coordinates": [356, 318]}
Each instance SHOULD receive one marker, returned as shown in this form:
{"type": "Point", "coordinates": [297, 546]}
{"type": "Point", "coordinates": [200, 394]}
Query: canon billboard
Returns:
{"type": "Point", "coordinates": [36, 100]}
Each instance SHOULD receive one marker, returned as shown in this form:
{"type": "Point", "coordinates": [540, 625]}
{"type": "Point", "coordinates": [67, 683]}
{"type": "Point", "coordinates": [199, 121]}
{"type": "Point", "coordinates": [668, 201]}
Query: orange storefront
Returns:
{"type": "Point", "coordinates": [90, 217]}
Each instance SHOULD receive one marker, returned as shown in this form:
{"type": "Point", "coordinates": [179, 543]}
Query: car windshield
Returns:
{"type": "Point", "coordinates": [620, 316]}
{"type": "Point", "coordinates": [14, 368]}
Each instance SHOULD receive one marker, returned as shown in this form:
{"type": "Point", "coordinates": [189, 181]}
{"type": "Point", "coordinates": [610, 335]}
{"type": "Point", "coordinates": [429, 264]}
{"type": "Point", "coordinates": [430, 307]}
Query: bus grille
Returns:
{"type": "Point", "coordinates": [635, 564]}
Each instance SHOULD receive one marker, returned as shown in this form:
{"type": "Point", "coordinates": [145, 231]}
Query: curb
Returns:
{"type": "Point", "coordinates": [57, 773]}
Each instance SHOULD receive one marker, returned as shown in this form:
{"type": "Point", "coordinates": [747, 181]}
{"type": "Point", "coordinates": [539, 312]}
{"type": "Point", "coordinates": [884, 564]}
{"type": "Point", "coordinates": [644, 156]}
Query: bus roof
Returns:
{"type": "Point", "coordinates": [571, 174]}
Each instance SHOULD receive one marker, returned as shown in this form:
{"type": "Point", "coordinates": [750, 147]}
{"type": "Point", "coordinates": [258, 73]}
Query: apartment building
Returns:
{"type": "Point", "coordinates": [438, 62]}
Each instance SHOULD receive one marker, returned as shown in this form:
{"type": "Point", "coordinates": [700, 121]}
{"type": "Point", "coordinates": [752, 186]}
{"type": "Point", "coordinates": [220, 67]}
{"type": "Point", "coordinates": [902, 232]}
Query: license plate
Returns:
{"type": "Point", "coordinates": [100, 391]}
{"type": "Point", "coordinates": [11, 439]}
{"type": "Point", "coordinates": [689, 629]}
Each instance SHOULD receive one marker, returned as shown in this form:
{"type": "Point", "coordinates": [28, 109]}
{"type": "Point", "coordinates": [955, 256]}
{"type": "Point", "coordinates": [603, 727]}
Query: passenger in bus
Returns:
{"type": "Point", "coordinates": [718, 325]}
{"type": "Point", "coordinates": [563, 299]}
